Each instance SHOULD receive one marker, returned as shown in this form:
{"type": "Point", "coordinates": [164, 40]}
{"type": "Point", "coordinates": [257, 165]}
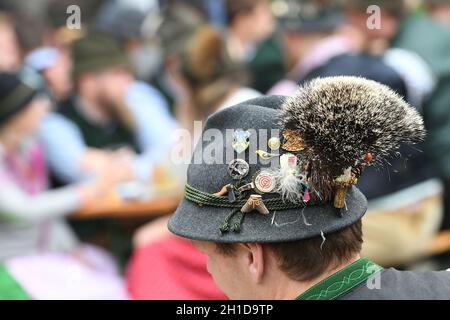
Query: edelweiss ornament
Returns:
{"type": "Point", "coordinates": [241, 140]}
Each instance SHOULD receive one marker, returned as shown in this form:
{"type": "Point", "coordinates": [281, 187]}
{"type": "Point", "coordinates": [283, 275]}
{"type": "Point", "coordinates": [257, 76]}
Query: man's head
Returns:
{"type": "Point", "coordinates": [274, 222]}
{"type": "Point", "coordinates": [101, 74]}
{"type": "Point", "coordinates": [250, 270]}
{"type": "Point", "coordinates": [252, 19]}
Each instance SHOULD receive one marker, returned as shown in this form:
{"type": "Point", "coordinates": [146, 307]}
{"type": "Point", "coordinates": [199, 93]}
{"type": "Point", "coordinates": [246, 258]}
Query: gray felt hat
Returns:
{"type": "Point", "coordinates": [332, 117]}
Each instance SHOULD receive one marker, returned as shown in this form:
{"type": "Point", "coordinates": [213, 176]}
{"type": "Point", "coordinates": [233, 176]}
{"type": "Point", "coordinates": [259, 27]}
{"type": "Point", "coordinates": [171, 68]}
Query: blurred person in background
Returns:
{"type": "Point", "coordinates": [434, 48]}
{"type": "Point", "coordinates": [111, 123]}
{"type": "Point", "coordinates": [213, 81]}
{"type": "Point", "coordinates": [405, 202]}
{"type": "Point", "coordinates": [36, 245]}
{"type": "Point", "coordinates": [10, 55]}
{"type": "Point", "coordinates": [249, 23]}
{"type": "Point", "coordinates": [371, 38]}
{"type": "Point", "coordinates": [312, 37]}
{"type": "Point", "coordinates": [111, 120]}
{"type": "Point", "coordinates": [252, 41]}
{"type": "Point", "coordinates": [125, 21]}
{"type": "Point", "coordinates": [321, 44]}
{"type": "Point", "coordinates": [54, 65]}
{"type": "Point", "coordinates": [46, 64]}
{"type": "Point", "coordinates": [171, 29]}
{"type": "Point", "coordinates": [380, 42]}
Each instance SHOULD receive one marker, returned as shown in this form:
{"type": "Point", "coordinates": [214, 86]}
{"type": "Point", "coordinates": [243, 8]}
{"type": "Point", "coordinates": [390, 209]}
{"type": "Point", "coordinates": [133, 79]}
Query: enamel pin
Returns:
{"type": "Point", "coordinates": [274, 143]}
{"type": "Point", "coordinates": [238, 169]}
{"type": "Point", "coordinates": [241, 140]}
{"type": "Point", "coordinates": [264, 181]}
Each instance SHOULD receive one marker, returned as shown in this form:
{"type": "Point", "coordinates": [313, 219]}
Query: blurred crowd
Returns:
{"type": "Point", "coordinates": [89, 107]}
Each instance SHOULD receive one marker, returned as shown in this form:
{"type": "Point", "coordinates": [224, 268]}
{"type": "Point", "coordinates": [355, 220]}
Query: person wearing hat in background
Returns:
{"type": "Point", "coordinates": [111, 124]}
{"type": "Point", "coordinates": [290, 228]}
{"type": "Point", "coordinates": [126, 21]}
{"type": "Point", "coordinates": [213, 82]}
{"type": "Point", "coordinates": [324, 45]}
{"type": "Point", "coordinates": [408, 199]}
{"type": "Point", "coordinates": [108, 111]}
{"type": "Point", "coordinates": [34, 237]}
{"type": "Point", "coordinates": [172, 29]}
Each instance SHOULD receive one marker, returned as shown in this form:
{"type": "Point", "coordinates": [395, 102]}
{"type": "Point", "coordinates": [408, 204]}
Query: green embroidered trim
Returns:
{"type": "Point", "coordinates": [342, 281]}
{"type": "Point", "coordinates": [10, 289]}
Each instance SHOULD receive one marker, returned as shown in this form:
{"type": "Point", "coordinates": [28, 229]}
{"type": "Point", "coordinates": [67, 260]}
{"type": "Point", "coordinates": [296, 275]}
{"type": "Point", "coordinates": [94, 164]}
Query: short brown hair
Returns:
{"type": "Point", "coordinates": [306, 259]}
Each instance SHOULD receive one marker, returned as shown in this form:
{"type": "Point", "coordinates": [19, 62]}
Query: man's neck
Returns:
{"type": "Point", "coordinates": [288, 289]}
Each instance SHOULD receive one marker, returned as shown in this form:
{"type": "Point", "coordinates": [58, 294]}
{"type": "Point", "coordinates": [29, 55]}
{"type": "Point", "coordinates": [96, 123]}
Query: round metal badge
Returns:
{"type": "Point", "coordinates": [274, 143]}
{"type": "Point", "coordinates": [238, 169]}
{"type": "Point", "coordinates": [264, 181]}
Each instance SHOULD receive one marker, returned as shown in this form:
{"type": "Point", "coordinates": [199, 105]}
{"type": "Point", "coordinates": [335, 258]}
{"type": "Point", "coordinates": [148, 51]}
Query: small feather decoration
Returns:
{"type": "Point", "coordinates": [288, 184]}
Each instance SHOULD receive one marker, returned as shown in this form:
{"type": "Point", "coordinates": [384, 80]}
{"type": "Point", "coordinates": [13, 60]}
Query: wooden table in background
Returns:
{"type": "Point", "coordinates": [113, 207]}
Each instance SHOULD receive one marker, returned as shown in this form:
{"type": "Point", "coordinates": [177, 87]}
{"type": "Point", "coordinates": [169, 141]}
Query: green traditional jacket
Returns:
{"type": "Point", "coordinates": [365, 280]}
{"type": "Point", "coordinates": [112, 136]}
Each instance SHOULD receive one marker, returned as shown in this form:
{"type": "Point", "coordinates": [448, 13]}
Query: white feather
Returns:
{"type": "Point", "coordinates": [288, 184]}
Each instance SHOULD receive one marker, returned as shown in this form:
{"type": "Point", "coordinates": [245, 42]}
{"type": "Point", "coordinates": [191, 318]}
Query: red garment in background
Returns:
{"type": "Point", "coordinates": [170, 269]}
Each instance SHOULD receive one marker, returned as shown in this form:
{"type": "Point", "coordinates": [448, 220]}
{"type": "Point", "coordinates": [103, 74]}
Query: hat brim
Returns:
{"type": "Point", "coordinates": [202, 222]}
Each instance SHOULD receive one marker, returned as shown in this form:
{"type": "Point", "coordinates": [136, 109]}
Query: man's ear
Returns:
{"type": "Point", "coordinates": [254, 258]}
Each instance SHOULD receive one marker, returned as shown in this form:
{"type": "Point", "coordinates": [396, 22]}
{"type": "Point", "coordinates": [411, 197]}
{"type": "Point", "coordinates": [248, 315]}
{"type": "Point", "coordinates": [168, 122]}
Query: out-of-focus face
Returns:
{"type": "Point", "coordinates": [110, 85]}
{"type": "Point", "coordinates": [114, 82]}
{"type": "Point", "coordinates": [379, 36]}
{"type": "Point", "coordinates": [9, 49]}
{"type": "Point", "coordinates": [58, 76]}
{"type": "Point", "coordinates": [292, 44]}
{"type": "Point", "coordinates": [260, 22]}
{"type": "Point", "coordinates": [230, 272]}
{"type": "Point", "coordinates": [26, 123]}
